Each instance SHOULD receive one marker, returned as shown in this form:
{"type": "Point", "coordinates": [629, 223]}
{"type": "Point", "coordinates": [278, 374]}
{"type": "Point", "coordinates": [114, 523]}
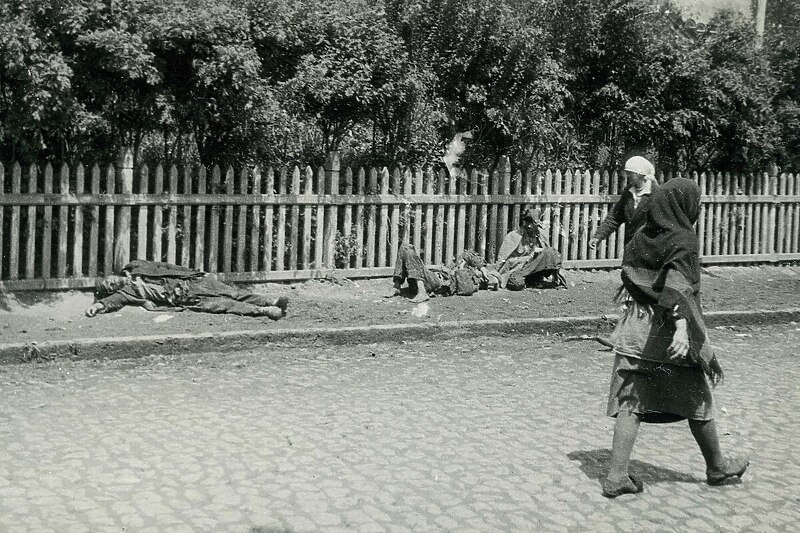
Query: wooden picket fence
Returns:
{"type": "Point", "coordinates": [62, 227]}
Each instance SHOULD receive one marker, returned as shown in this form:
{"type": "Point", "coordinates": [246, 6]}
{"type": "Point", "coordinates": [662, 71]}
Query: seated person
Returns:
{"type": "Point", "coordinates": [526, 259]}
{"type": "Point", "coordinates": [154, 285]}
{"type": "Point", "coordinates": [471, 274]}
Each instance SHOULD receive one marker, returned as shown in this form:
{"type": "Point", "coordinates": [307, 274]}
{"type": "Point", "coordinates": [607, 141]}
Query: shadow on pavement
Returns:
{"type": "Point", "coordinates": [593, 464]}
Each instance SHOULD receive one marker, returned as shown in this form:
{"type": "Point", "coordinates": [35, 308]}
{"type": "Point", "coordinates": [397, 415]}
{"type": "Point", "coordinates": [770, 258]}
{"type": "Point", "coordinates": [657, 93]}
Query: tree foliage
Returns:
{"type": "Point", "coordinates": [547, 82]}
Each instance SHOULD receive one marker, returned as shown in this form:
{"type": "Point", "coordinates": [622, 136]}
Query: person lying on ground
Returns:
{"type": "Point", "coordinates": [631, 207]}
{"type": "Point", "coordinates": [156, 286]}
{"type": "Point", "coordinates": [469, 275]}
{"type": "Point", "coordinates": [526, 258]}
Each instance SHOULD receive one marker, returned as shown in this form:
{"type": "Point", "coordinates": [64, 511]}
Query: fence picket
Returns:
{"type": "Point", "coordinates": [594, 215]}
{"type": "Point", "coordinates": [123, 179]}
{"type": "Point", "coordinates": [408, 182]}
{"type": "Point", "coordinates": [483, 221]}
{"type": "Point", "coordinates": [319, 238]}
{"type": "Point", "coordinates": [767, 228]}
{"type": "Point", "coordinates": [30, 243]}
{"type": "Point", "coordinates": [200, 223]}
{"type": "Point", "coordinates": [280, 237]}
{"type": "Point", "coordinates": [227, 229]}
{"type": "Point", "coordinates": [332, 213]}
{"type": "Point", "coordinates": [449, 250]}
{"type": "Point", "coordinates": [240, 187]}
{"type": "Point", "coordinates": [557, 230]}
{"type": "Point", "coordinates": [77, 228]}
{"type": "Point", "coordinates": [549, 226]}
{"type": "Point", "coordinates": [142, 237]}
{"type": "Point", "coordinates": [94, 221]}
{"type": "Point", "coordinates": [14, 236]}
{"type": "Point", "coordinates": [567, 218]}
{"type": "Point", "coordinates": [108, 240]}
{"type": "Point", "coordinates": [780, 221]}
{"type": "Point", "coordinates": [505, 190]}
{"type": "Point", "coordinates": [214, 215]}
{"type": "Point", "coordinates": [585, 222]}
{"type": "Point", "coordinates": [255, 221]}
{"type": "Point", "coordinates": [613, 245]}
{"type": "Point", "coordinates": [360, 190]}
{"type": "Point", "coordinates": [796, 223]}
{"type": "Point", "coordinates": [740, 217]}
{"type": "Point", "coordinates": [749, 216]}
{"type": "Point", "coordinates": [2, 216]}
{"type": "Point", "coordinates": [308, 190]}
{"type": "Point", "coordinates": [772, 208]}
{"type": "Point", "coordinates": [347, 218]}
{"type": "Point", "coordinates": [383, 222]}
{"type": "Point", "coordinates": [157, 229]}
{"type": "Point", "coordinates": [394, 234]}
{"type": "Point", "coordinates": [438, 244]}
{"type": "Point", "coordinates": [717, 238]}
{"type": "Point", "coordinates": [472, 228]}
{"type": "Point", "coordinates": [213, 221]}
{"type": "Point", "coordinates": [418, 222]}
{"type": "Point", "coordinates": [186, 220]}
{"type": "Point", "coordinates": [294, 222]}
{"type": "Point", "coordinates": [605, 187]}
{"type": "Point", "coordinates": [172, 217]}
{"type": "Point", "coordinates": [269, 222]}
{"type": "Point", "coordinates": [461, 179]}
{"type": "Point", "coordinates": [371, 215]}
{"type": "Point", "coordinates": [516, 209]}
{"type": "Point", "coordinates": [47, 224]}
{"type": "Point", "coordinates": [63, 224]}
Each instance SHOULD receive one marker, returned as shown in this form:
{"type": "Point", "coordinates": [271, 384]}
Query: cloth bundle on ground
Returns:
{"type": "Point", "coordinates": [155, 285]}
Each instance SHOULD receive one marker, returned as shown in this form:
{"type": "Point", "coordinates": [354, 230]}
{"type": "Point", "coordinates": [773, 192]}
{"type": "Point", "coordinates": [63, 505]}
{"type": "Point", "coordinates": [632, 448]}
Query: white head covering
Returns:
{"type": "Point", "coordinates": [640, 165]}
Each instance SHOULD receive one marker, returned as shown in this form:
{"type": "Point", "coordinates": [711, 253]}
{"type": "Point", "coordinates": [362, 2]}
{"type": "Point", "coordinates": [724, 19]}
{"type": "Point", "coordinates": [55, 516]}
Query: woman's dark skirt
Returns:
{"type": "Point", "coordinates": [643, 383]}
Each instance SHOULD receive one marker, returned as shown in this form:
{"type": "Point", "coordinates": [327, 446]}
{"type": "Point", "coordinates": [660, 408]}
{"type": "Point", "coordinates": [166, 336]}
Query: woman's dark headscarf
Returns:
{"type": "Point", "coordinates": [661, 265]}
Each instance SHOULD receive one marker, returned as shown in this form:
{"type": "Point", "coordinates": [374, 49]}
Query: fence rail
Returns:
{"type": "Point", "coordinates": [62, 227]}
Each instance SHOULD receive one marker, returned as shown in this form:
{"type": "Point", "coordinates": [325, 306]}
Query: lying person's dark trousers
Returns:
{"type": "Point", "coordinates": [212, 296]}
{"type": "Point", "coordinates": [410, 266]}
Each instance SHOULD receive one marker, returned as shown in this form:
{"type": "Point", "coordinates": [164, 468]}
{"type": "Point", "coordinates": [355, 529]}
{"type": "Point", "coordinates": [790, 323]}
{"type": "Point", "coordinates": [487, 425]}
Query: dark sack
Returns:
{"type": "Point", "coordinates": [465, 282]}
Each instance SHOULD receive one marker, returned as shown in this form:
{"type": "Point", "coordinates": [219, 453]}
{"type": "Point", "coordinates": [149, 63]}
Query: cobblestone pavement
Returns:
{"type": "Point", "coordinates": [485, 435]}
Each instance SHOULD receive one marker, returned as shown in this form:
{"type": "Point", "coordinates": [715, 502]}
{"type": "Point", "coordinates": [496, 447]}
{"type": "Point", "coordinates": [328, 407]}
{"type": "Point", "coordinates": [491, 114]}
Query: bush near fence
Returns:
{"type": "Point", "coordinates": [61, 227]}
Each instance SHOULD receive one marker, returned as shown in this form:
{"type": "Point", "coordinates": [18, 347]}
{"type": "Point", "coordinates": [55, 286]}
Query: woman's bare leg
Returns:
{"type": "Point", "coordinates": [705, 433]}
{"type": "Point", "coordinates": [626, 429]}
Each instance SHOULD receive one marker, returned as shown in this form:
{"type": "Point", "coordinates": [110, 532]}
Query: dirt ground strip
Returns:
{"type": "Point", "coordinates": [54, 316]}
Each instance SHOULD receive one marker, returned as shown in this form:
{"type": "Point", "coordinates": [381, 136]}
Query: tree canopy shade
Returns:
{"type": "Point", "coordinates": [546, 82]}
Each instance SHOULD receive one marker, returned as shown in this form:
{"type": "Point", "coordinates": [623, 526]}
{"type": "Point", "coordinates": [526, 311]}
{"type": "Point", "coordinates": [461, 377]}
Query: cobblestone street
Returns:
{"type": "Point", "coordinates": [485, 435]}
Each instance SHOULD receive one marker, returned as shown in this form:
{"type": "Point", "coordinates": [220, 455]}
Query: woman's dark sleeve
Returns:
{"type": "Point", "coordinates": [614, 219]}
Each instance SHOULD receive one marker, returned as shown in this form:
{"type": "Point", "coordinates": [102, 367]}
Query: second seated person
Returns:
{"type": "Point", "coordinates": [526, 258]}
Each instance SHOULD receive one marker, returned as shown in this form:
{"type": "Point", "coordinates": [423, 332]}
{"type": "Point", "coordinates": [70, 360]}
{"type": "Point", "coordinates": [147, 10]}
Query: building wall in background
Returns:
{"type": "Point", "coordinates": [702, 10]}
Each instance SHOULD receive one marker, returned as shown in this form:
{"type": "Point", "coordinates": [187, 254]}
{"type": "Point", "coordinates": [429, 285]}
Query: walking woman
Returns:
{"type": "Point", "coordinates": [663, 369]}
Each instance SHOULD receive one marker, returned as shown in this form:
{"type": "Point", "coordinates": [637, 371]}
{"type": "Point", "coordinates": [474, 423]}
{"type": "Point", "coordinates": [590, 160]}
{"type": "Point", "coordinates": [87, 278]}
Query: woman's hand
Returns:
{"type": "Point", "coordinates": [679, 348]}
